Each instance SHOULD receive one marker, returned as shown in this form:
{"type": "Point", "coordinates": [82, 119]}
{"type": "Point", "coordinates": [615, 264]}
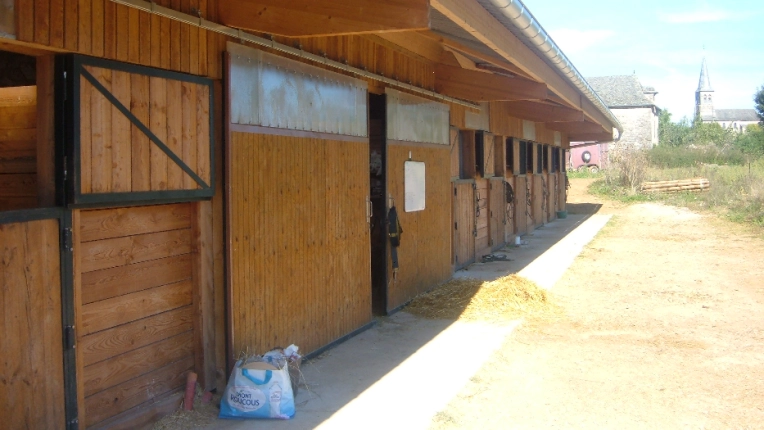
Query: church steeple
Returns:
{"type": "Point", "coordinates": [704, 103]}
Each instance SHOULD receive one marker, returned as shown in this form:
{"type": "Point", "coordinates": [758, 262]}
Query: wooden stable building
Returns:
{"type": "Point", "coordinates": [182, 181]}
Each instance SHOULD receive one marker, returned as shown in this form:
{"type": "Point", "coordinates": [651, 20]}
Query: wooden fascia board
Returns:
{"type": "Point", "coordinates": [482, 86]}
{"type": "Point", "coordinates": [473, 18]}
{"type": "Point", "coordinates": [542, 112]}
{"type": "Point", "coordinates": [313, 18]}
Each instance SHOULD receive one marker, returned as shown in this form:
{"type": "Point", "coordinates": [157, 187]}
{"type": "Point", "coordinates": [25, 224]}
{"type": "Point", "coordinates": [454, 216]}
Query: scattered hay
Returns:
{"type": "Point", "coordinates": [203, 414]}
{"type": "Point", "coordinates": [507, 298]}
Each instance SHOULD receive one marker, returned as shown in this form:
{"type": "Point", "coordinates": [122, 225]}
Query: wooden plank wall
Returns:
{"type": "Point", "coordinates": [463, 223]}
{"type": "Point", "coordinates": [134, 306]}
{"type": "Point", "coordinates": [510, 226]}
{"type": "Point", "coordinates": [482, 212]}
{"type": "Point", "coordinates": [521, 219]}
{"type": "Point", "coordinates": [425, 251]}
{"type": "Point", "coordinates": [300, 265]}
{"type": "Point", "coordinates": [456, 153]}
{"type": "Point", "coordinates": [31, 370]}
{"type": "Point", "coordinates": [497, 205]}
{"type": "Point", "coordinates": [538, 193]}
{"type": "Point", "coordinates": [18, 148]}
{"type": "Point", "coordinates": [117, 157]}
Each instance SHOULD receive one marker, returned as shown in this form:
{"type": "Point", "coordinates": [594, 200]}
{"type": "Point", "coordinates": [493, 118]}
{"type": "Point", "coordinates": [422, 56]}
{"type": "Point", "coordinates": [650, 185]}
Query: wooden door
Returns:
{"type": "Point", "coordinates": [137, 133]}
{"type": "Point", "coordinates": [521, 205]}
{"type": "Point", "coordinates": [135, 273]}
{"type": "Point", "coordinates": [18, 148]}
{"type": "Point", "coordinates": [497, 214]}
{"type": "Point", "coordinates": [464, 224]}
{"type": "Point", "coordinates": [482, 212]}
{"type": "Point", "coordinates": [32, 364]}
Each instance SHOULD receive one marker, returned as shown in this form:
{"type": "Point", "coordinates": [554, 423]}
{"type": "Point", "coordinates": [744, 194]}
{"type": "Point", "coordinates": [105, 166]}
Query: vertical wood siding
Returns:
{"type": "Point", "coordinates": [521, 206]}
{"type": "Point", "coordinates": [463, 223]}
{"type": "Point", "coordinates": [117, 157]}
{"type": "Point", "coordinates": [425, 251]}
{"type": "Point", "coordinates": [497, 204]}
{"type": "Point", "coordinates": [511, 227]}
{"type": "Point", "coordinates": [134, 304]}
{"type": "Point", "coordinates": [18, 148]}
{"type": "Point", "coordinates": [482, 212]}
{"type": "Point", "coordinates": [299, 241]}
{"type": "Point", "coordinates": [31, 369]}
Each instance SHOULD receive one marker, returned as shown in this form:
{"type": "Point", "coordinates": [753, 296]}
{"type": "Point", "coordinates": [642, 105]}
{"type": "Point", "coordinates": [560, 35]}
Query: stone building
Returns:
{"type": "Point", "coordinates": [633, 105]}
{"type": "Point", "coordinates": [735, 119]}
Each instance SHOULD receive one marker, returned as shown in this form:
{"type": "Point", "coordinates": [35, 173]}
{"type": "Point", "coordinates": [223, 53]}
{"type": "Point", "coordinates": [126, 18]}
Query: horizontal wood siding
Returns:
{"type": "Point", "coordinates": [300, 252]}
{"type": "Point", "coordinates": [115, 156]}
{"type": "Point", "coordinates": [463, 223]}
{"type": "Point", "coordinates": [18, 148]}
{"type": "Point", "coordinates": [135, 306]}
{"type": "Point", "coordinates": [31, 369]}
{"type": "Point", "coordinates": [425, 252]}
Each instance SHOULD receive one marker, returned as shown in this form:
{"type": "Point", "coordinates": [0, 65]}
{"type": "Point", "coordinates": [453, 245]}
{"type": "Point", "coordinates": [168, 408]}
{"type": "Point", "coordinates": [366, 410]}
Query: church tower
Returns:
{"type": "Point", "coordinates": [704, 101]}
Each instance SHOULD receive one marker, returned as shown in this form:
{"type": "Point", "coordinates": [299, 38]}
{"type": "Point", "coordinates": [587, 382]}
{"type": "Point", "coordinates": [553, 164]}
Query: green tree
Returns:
{"type": "Point", "coordinates": [751, 143]}
{"type": "Point", "coordinates": [758, 99]}
{"type": "Point", "coordinates": [672, 134]}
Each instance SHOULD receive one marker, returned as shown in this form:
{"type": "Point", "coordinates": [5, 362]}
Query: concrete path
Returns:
{"type": "Point", "coordinates": [404, 370]}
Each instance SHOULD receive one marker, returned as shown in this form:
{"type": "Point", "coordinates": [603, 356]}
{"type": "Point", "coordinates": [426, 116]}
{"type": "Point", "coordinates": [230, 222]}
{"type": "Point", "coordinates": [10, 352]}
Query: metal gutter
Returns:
{"type": "Point", "coordinates": [535, 36]}
{"type": "Point", "coordinates": [243, 36]}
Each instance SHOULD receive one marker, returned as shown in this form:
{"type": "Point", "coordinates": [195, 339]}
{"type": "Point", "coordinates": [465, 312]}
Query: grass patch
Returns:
{"type": "Point", "coordinates": [583, 174]}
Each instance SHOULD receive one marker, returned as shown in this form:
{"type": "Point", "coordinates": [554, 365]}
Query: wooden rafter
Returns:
{"type": "Point", "coordinates": [483, 86]}
{"type": "Point", "coordinates": [542, 111]}
{"type": "Point", "coordinates": [300, 18]}
{"type": "Point", "coordinates": [474, 19]}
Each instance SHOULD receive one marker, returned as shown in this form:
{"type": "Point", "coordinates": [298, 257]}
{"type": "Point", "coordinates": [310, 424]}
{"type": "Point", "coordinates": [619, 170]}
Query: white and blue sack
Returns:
{"type": "Point", "coordinates": [258, 390]}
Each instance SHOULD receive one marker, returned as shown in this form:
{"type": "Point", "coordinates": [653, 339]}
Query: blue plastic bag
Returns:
{"type": "Point", "coordinates": [258, 390]}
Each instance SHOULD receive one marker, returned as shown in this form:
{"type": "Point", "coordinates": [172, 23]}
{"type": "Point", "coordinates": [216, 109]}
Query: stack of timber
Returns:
{"type": "Point", "coordinates": [695, 184]}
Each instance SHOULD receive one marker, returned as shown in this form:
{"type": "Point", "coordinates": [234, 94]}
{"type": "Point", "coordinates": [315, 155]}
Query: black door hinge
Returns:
{"type": "Point", "coordinates": [68, 245]}
{"type": "Point", "coordinates": [65, 169]}
{"type": "Point", "coordinates": [73, 424]}
{"type": "Point", "coordinates": [456, 226]}
{"type": "Point", "coordinates": [69, 337]}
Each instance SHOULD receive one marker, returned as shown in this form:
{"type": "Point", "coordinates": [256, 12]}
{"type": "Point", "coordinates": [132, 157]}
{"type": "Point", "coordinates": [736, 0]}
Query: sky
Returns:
{"type": "Point", "coordinates": [664, 42]}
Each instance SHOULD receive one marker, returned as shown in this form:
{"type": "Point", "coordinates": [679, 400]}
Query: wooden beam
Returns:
{"type": "Point", "coordinates": [542, 112]}
{"type": "Point", "coordinates": [576, 127]}
{"type": "Point", "coordinates": [591, 137]}
{"type": "Point", "coordinates": [410, 42]}
{"type": "Point", "coordinates": [301, 18]}
{"type": "Point", "coordinates": [473, 18]}
{"type": "Point", "coordinates": [454, 45]}
{"type": "Point", "coordinates": [481, 86]}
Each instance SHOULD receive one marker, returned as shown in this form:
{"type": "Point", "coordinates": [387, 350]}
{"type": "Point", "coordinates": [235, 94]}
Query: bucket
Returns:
{"type": "Point", "coordinates": [562, 214]}
{"type": "Point", "coordinates": [518, 242]}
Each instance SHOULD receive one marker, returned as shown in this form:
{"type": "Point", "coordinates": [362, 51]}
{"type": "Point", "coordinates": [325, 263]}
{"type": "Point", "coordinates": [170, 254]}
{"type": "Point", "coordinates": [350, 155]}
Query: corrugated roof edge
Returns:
{"type": "Point", "coordinates": [520, 17]}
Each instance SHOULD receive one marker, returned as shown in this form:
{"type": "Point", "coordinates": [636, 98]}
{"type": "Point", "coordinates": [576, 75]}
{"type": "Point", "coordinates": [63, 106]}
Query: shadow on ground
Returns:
{"type": "Point", "coordinates": [406, 369]}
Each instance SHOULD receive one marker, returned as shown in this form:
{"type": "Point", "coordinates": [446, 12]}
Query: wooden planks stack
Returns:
{"type": "Point", "coordinates": [695, 184]}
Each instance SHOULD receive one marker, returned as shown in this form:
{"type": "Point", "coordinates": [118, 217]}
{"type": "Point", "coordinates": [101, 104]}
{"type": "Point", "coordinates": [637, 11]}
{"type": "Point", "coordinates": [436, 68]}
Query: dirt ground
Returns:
{"type": "Point", "coordinates": [663, 328]}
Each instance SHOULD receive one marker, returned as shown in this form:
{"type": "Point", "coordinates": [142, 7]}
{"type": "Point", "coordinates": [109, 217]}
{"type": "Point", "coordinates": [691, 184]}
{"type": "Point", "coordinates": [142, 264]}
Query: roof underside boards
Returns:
{"type": "Point", "coordinates": [734, 115]}
{"type": "Point", "coordinates": [620, 91]}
